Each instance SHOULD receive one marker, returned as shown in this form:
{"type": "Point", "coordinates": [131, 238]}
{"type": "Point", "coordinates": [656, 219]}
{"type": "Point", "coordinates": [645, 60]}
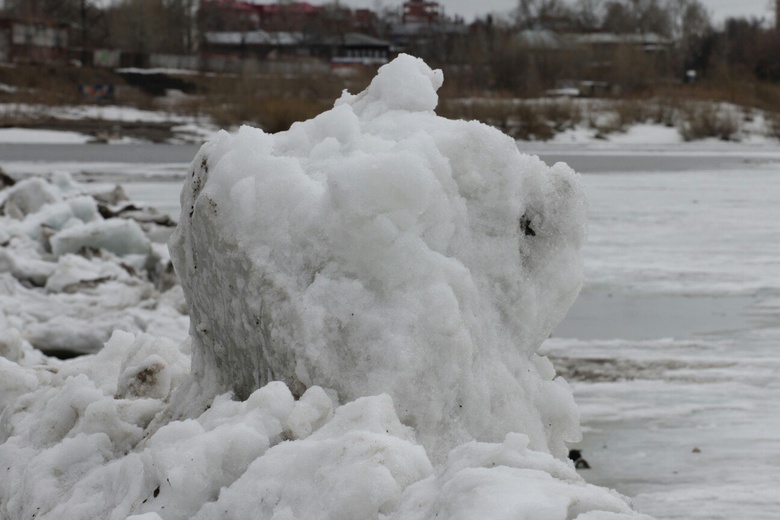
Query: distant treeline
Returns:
{"type": "Point", "coordinates": [614, 47]}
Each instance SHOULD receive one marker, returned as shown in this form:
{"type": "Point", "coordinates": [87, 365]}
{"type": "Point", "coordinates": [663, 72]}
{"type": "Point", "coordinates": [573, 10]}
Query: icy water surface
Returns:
{"type": "Point", "coordinates": [673, 348]}
{"type": "Point", "coordinates": [97, 153]}
{"type": "Point", "coordinates": [150, 174]}
{"type": "Point", "coordinates": [598, 314]}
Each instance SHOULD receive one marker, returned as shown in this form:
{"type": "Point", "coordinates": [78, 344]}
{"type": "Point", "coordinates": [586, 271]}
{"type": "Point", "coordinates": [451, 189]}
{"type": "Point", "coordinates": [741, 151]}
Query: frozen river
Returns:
{"type": "Point", "coordinates": [672, 347]}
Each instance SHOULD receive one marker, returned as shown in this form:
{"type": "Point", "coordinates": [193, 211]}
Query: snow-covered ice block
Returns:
{"type": "Point", "coordinates": [353, 468]}
{"type": "Point", "coordinates": [119, 236]}
{"type": "Point", "coordinates": [59, 215]}
{"type": "Point", "coordinates": [379, 248]}
{"type": "Point", "coordinates": [28, 196]}
{"type": "Point", "coordinates": [74, 272]}
{"type": "Point", "coordinates": [509, 481]}
{"type": "Point", "coordinates": [28, 268]}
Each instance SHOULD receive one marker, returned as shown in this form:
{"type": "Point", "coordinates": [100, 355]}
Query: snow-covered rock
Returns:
{"type": "Point", "coordinates": [381, 248]}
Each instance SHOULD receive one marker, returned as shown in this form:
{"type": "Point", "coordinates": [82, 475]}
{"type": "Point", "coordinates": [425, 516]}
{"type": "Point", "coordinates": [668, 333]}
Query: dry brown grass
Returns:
{"type": "Point", "coordinates": [700, 120]}
{"type": "Point", "coordinates": [274, 101]}
{"type": "Point", "coordinates": [521, 119]}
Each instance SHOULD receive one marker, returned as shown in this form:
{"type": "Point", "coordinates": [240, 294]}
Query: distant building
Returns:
{"type": "Point", "coordinates": [303, 17]}
{"type": "Point", "coordinates": [293, 16]}
{"type": "Point", "coordinates": [423, 28]}
{"type": "Point", "coordinates": [539, 39]}
{"type": "Point", "coordinates": [421, 12]}
{"type": "Point", "coordinates": [606, 54]}
{"type": "Point", "coordinates": [348, 48]}
{"type": "Point", "coordinates": [352, 49]}
{"type": "Point", "coordinates": [33, 41]}
{"type": "Point", "coordinates": [777, 15]}
{"type": "Point", "coordinates": [256, 44]}
{"type": "Point", "coordinates": [607, 42]}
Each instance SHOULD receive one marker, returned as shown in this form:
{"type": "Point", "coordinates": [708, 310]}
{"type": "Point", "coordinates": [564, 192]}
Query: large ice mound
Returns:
{"type": "Point", "coordinates": [379, 248]}
{"type": "Point", "coordinates": [372, 285]}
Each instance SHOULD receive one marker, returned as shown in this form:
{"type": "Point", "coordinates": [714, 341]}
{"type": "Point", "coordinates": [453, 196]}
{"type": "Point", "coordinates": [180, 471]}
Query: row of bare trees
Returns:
{"type": "Point", "coordinates": [134, 25]}
{"type": "Point", "coordinates": [740, 49]}
{"type": "Point", "coordinates": [490, 49]}
{"type": "Point", "coordinates": [670, 18]}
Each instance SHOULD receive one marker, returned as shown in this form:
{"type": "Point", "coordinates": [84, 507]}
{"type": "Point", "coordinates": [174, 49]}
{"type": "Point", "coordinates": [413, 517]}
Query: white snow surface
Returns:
{"type": "Point", "coordinates": [186, 129]}
{"type": "Point", "coordinates": [373, 285]}
{"type": "Point", "coordinates": [28, 135]}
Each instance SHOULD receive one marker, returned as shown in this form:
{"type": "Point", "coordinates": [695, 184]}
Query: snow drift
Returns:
{"type": "Point", "coordinates": [367, 292]}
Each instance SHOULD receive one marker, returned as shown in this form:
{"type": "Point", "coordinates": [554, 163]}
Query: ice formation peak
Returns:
{"type": "Point", "coordinates": [406, 83]}
{"type": "Point", "coordinates": [379, 248]}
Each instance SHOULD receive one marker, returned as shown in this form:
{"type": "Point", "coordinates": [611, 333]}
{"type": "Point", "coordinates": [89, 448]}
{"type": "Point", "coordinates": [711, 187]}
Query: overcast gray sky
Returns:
{"type": "Point", "coordinates": [720, 9]}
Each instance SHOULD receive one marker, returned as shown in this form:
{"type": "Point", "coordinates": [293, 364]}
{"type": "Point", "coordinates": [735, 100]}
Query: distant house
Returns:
{"type": "Point", "coordinates": [239, 15]}
{"type": "Point", "coordinates": [608, 42]}
{"type": "Point", "coordinates": [242, 15]}
{"type": "Point", "coordinates": [424, 27]}
{"type": "Point", "coordinates": [257, 44]}
{"type": "Point", "coordinates": [33, 41]}
{"type": "Point", "coordinates": [422, 12]}
{"type": "Point", "coordinates": [354, 48]}
{"type": "Point", "coordinates": [604, 50]}
{"type": "Point", "coordinates": [539, 39]}
{"type": "Point", "coordinates": [292, 16]}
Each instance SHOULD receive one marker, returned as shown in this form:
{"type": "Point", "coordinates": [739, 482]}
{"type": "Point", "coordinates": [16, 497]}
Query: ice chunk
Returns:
{"type": "Point", "coordinates": [507, 481]}
{"type": "Point", "coordinates": [59, 215]}
{"type": "Point", "coordinates": [11, 343]}
{"type": "Point", "coordinates": [405, 84]}
{"type": "Point", "coordinates": [311, 411]}
{"type": "Point", "coordinates": [73, 273]}
{"type": "Point", "coordinates": [28, 196]}
{"type": "Point", "coordinates": [29, 269]}
{"type": "Point", "coordinates": [119, 236]}
{"type": "Point", "coordinates": [354, 468]}
{"type": "Point", "coordinates": [379, 248]}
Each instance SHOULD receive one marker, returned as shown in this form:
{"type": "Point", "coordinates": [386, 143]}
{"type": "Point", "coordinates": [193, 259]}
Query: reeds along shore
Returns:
{"type": "Point", "coordinates": [726, 110]}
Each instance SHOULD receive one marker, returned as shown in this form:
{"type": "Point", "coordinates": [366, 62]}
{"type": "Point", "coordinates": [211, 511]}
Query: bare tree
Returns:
{"type": "Point", "coordinates": [636, 16]}
{"type": "Point", "coordinates": [166, 26]}
{"type": "Point", "coordinates": [589, 13]}
{"type": "Point", "coordinates": [530, 13]}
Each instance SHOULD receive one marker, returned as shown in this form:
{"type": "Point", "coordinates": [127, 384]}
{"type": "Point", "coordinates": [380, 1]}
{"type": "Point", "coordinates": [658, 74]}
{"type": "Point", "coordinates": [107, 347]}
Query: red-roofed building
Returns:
{"type": "Point", "coordinates": [245, 15]}
{"type": "Point", "coordinates": [422, 11]}
{"type": "Point", "coordinates": [294, 16]}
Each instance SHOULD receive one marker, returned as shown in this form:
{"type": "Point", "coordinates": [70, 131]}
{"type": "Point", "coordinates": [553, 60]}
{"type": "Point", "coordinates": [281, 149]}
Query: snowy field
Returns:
{"type": "Point", "coordinates": [671, 351]}
{"type": "Point", "coordinates": [186, 129]}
